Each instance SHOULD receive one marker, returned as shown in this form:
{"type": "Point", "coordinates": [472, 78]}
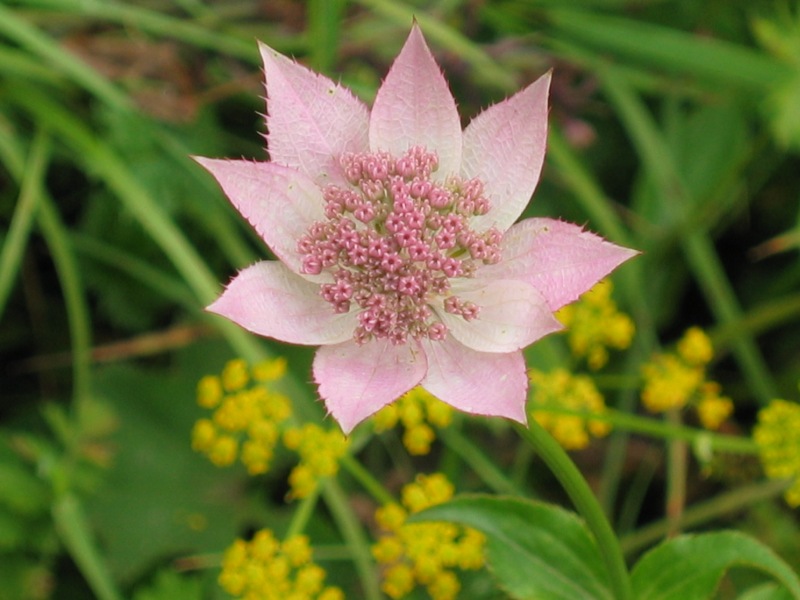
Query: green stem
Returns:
{"type": "Point", "coordinates": [725, 503]}
{"type": "Point", "coordinates": [57, 239]}
{"type": "Point", "coordinates": [366, 479]}
{"type": "Point", "coordinates": [483, 466]}
{"type": "Point", "coordinates": [354, 537]}
{"type": "Point", "coordinates": [73, 529]}
{"type": "Point", "coordinates": [677, 456]}
{"type": "Point", "coordinates": [659, 429]}
{"type": "Point", "coordinates": [582, 497]}
{"type": "Point", "coordinates": [303, 513]}
{"type": "Point", "coordinates": [19, 230]}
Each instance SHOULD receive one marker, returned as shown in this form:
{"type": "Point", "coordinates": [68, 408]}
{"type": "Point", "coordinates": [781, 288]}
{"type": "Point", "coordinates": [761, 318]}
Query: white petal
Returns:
{"type": "Point", "coordinates": [356, 381]}
{"type": "Point", "coordinates": [268, 299]}
{"type": "Point", "coordinates": [478, 383]}
{"type": "Point", "coordinates": [513, 314]}
{"type": "Point", "coordinates": [414, 107]}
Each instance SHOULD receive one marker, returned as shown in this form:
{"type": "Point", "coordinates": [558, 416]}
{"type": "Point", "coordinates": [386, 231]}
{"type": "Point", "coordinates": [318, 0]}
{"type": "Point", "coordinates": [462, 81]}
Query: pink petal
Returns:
{"type": "Point", "coordinates": [479, 383]}
{"type": "Point", "coordinates": [512, 315]}
{"type": "Point", "coordinates": [268, 299]}
{"type": "Point", "coordinates": [279, 202]}
{"type": "Point", "coordinates": [504, 147]}
{"type": "Point", "coordinates": [559, 259]}
{"type": "Point", "coordinates": [414, 107]}
{"type": "Point", "coordinates": [356, 381]}
{"type": "Point", "coordinates": [311, 120]}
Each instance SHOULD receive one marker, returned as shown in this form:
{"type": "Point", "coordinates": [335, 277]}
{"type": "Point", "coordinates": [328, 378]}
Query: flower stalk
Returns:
{"type": "Point", "coordinates": [586, 504]}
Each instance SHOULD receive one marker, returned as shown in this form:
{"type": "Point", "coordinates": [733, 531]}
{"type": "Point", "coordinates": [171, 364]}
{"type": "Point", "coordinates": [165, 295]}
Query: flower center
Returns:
{"type": "Point", "coordinates": [393, 240]}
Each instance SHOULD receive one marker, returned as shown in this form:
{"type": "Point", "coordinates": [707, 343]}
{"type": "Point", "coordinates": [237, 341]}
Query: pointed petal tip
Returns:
{"type": "Point", "coordinates": [356, 381]}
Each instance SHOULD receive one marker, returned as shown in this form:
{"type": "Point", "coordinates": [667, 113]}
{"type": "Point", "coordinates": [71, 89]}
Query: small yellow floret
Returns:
{"type": "Point", "coordinates": [270, 369]}
{"type": "Point", "coordinates": [669, 383]}
{"type": "Point", "coordinates": [427, 490]}
{"type": "Point", "coordinates": [398, 580]}
{"type": "Point", "coordinates": [249, 417]}
{"type": "Point", "coordinates": [203, 435]}
{"type": "Point", "coordinates": [418, 439]}
{"type": "Point", "coordinates": [424, 553]}
{"type": "Point", "coordinates": [594, 325]}
{"type": "Point", "coordinates": [558, 391]}
{"type": "Point", "coordinates": [676, 380]}
{"type": "Point", "coordinates": [266, 569]}
{"type": "Point", "coordinates": [319, 450]}
{"type": "Point", "coordinates": [386, 418]}
{"type": "Point", "coordinates": [713, 409]}
{"type": "Point", "coordinates": [417, 410]}
{"type": "Point", "coordinates": [777, 435]}
{"type": "Point", "coordinates": [235, 375]}
{"type": "Point", "coordinates": [695, 347]}
{"type": "Point", "coordinates": [223, 451]}
{"type": "Point", "coordinates": [209, 391]}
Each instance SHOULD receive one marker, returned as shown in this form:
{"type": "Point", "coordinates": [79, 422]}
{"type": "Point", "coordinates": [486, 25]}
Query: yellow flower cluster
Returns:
{"type": "Point", "coordinates": [561, 390]}
{"type": "Point", "coordinates": [247, 414]}
{"type": "Point", "coordinates": [268, 569]}
{"type": "Point", "coordinates": [777, 435]}
{"type": "Point", "coordinates": [417, 410]}
{"type": "Point", "coordinates": [675, 380]}
{"type": "Point", "coordinates": [424, 553]}
{"type": "Point", "coordinates": [319, 451]}
{"type": "Point", "coordinates": [594, 325]}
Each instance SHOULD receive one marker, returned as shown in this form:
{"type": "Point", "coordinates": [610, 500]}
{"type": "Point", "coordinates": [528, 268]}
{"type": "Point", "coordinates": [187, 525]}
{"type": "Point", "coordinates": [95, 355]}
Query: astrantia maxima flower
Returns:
{"type": "Point", "coordinates": [398, 252]}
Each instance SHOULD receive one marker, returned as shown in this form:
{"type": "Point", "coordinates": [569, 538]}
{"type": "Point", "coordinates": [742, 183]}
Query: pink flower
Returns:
{"type": "Point", "coordinates": [395, 231]}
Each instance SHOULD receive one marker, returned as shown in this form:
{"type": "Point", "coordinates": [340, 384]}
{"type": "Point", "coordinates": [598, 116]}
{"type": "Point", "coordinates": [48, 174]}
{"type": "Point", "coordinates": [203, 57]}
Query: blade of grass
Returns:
{"type": "Point", "coordinates": [713, 60]}
{"type": "Point", "coordinates": [486, 69]}
{"type": "Point", "coordinates": [42, 45]}
{"type": "Point", "coordinates": [22, 220]}
{"type": "Point", "coordinates": [354, 536]}
{"type": "Point", "coordinates": [699, 250]}
{"type": "Point", "coordinates": [160, 281]}
{"type": "Point", "coordinates": [75, 302]}
{"type": "Point", "coordinates": [153, 22]}
{"type": "Point", "coordinates": [324, 31]}
{"type": "Point", "coordinates": [73, 529]}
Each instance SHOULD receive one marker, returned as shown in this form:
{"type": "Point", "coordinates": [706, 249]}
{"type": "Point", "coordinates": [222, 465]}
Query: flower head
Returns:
{"type": "Point", "coordinates": [398, 253]}
{"type": "Point", "coordinates": [424, 553]}
{"type": "Point", "coordinates": [777, 435]}
{"type": "Point", "coordinates": [560, 389]}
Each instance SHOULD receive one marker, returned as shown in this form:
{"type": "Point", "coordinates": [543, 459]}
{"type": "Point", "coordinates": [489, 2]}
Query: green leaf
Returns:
{"type": "Point", "coordinates": [690, 567]}
{"type": "Point", "coordinates": [161, 498]}
{"type": "Point", "coordinates": [535, 550]}
{"type": "Point", "coordinates": [168, 585]}
{"type": "Point", "coordinates": [21, 490]}
{"type": "Point", "coordinates": [767, 591]}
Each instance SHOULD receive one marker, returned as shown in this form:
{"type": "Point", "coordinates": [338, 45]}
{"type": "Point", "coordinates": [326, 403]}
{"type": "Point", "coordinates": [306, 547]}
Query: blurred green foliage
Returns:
{"type": "Point", "coordinates": [676, 130]}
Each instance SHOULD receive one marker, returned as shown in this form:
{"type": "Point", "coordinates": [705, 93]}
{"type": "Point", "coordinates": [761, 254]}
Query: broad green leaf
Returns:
{"type": "Point", "coordinates": [535, 550]}
{"type": "Point", "coordinates": [767, 591]}
{"type": "Point", "coordinates": [161, 498]}
{"type": "Point", "coordinates": [690, 567]}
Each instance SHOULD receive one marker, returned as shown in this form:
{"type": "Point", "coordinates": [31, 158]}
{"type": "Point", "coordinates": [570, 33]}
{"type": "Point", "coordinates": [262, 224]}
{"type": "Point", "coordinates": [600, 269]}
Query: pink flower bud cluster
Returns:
{"type": "Point", "coordinates": [393, 240]}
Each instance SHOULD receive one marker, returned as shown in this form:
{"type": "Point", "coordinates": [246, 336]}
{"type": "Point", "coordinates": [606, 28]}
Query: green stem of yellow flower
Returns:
{"type": "Point", "coordinates": [303, 513]}
{"type": "Point", "coordinates": [485, 468]}
{"type": "Point", "coordinates": [659, 429]}
{"type": "Point", "coordinates": [366, 479]}
{"type": "Point", "coordinates": [697, 514]}
{"type": "Point", "coordinates": [585, 502]}
{"type": "Point", "coordinates": [677, 457]}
